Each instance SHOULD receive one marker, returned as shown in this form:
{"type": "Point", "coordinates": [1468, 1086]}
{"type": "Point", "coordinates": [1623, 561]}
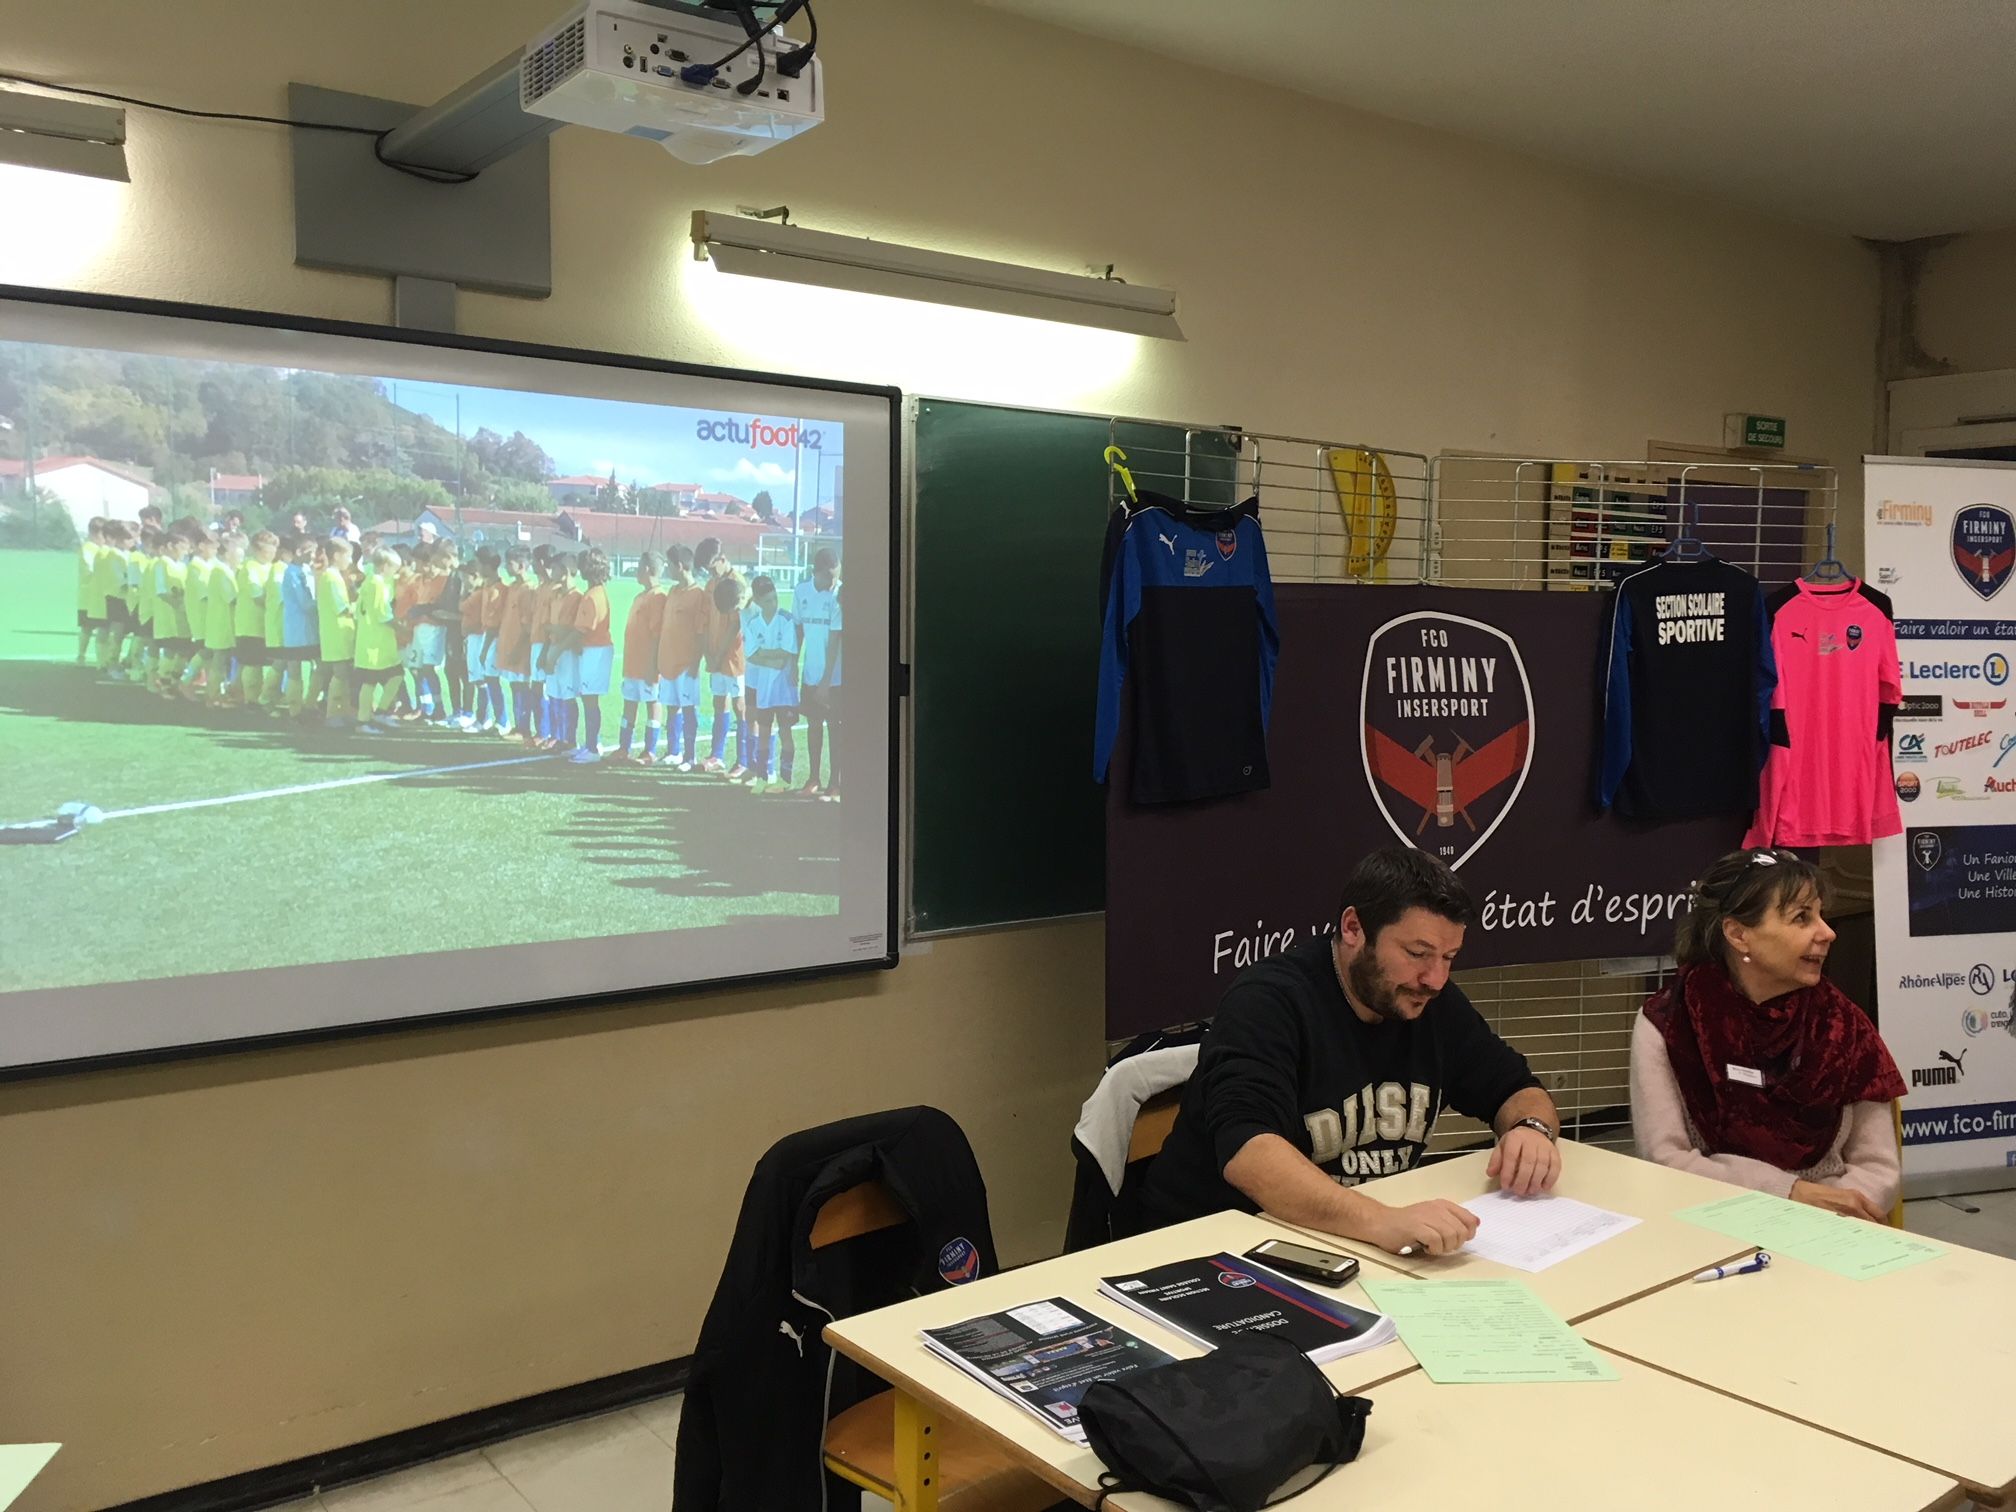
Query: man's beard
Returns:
{"type": "Point", "coordinates": [1374, 992]}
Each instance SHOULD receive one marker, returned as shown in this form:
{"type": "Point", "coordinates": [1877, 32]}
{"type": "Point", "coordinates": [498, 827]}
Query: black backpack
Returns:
{"type": "Point", "coordinates": [1225, 1432]}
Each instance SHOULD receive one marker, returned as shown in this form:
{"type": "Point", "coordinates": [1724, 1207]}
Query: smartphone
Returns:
{"type": "Point", "coordinates": [1315, 1265]}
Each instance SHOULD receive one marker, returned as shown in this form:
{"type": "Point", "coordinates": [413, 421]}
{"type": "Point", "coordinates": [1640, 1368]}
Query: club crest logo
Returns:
{"type": "Point", "coordinates": [1228, 544]}
{"type": "Point", "coordinates": [1446, 730]}
{"type": "Point", "coordinates": [1926, 849]}
{"type": "Point", "coordinates": [1235, 1279]}
{"type": "Point", "coordinates": [1854, 636]}
{"type": "Point", "coordinates": [958, 1262]}
{"type": "Point", "coordinates": [1984, 547]}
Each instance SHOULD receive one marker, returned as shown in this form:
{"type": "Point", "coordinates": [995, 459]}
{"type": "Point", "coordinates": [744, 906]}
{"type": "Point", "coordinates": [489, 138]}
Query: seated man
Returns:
{"type": "Point", "coordinates": [1328, 1064]}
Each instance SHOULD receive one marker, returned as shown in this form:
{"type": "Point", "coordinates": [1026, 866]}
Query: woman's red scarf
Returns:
{"type": "Point", "coordinates": [1816, 1051]}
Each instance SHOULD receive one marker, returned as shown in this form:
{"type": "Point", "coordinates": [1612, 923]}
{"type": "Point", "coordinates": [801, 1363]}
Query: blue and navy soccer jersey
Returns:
{"type": "Point", "coordinates": [1687, 690]}
{"type": "Point", "coordinates": [1190, 637]}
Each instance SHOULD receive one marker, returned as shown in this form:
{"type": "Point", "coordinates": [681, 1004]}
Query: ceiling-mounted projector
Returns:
{"type": "Point", "coordinates": [650, 71]}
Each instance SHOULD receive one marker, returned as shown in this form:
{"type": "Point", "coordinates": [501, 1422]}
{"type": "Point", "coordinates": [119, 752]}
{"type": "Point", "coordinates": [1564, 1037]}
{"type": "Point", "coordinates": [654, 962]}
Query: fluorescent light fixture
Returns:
{"type": "Point", "coordinates": [764, 249]}
{"type": "Point", "coordinates": [39, 131]}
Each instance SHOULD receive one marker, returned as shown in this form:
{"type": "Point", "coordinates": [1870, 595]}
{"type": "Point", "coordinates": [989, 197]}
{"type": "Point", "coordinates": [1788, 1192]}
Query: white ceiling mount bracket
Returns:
{"type": "Point", "coordinates": [355, 215]}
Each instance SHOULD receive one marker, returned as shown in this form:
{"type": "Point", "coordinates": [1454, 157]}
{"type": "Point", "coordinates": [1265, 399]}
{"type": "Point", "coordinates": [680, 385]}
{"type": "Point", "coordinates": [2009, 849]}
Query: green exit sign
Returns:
{"type": "Point", "coordinates": [1754, 430]}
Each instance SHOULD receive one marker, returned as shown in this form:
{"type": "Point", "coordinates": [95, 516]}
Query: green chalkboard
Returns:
{"type": "Point", "coordinates": [1010, 511]}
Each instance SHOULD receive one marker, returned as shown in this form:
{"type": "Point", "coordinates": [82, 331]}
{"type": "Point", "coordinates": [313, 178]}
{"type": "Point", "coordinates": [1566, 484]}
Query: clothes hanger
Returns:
{"type": "Point", "coordinates": [1686, 546]}
{"type": "Point", "coordinates": [1117, 460]}
{"type": "Point", "coordinates": [1829, 570]}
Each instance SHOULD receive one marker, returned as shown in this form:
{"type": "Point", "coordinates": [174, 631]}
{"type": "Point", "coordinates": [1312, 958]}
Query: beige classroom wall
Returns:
{"type": "Point", "coordinates": [1966, 315]}
{"type": "Point", "coordinates": [211, 1266]}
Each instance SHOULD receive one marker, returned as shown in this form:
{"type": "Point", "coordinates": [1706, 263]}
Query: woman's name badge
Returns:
{"type": "Point", "coordinates": [1745, 1075]}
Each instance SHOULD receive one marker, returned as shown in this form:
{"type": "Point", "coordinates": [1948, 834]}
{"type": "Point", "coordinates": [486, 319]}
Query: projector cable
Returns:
{"type": "Point", "coordinates": [377, 135]}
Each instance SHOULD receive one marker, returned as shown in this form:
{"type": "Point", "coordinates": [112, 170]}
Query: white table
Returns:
{"type": "Point", "coordinates": [887, 1341]}
{"type": "Point", "coordinates": [1919, 1363]}
{"type": "Point", "coordinates": [1653, 1253]}
{"type": "Point", "coordinates": [1645, 1440]}
{"type": "Point", "coordinates": [1728, 1396]}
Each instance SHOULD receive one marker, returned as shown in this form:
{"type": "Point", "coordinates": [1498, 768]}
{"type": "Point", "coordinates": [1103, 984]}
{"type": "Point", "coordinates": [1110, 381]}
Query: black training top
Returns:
{"type": "Point", "coordinates": [1286, 1055]}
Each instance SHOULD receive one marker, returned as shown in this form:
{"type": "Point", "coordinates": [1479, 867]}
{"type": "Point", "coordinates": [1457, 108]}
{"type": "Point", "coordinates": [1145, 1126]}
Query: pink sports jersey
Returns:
{"type": "Point", "coordinates": [1827, 779]}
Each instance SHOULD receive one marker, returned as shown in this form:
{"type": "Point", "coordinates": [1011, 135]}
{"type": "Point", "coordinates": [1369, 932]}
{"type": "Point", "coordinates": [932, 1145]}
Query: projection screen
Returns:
{"type": "Point", "coordinates": [353, 677]}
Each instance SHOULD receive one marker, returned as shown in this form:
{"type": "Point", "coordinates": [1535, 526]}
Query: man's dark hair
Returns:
{"type": "Point", "coordinates": [1388, 882]}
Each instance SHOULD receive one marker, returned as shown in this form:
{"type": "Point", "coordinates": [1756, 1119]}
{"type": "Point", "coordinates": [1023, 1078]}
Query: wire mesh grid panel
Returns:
{"type": "Point", "coordinates": [1330, 511]}
{"type": "Point", "coordinates": [1572, 1020]}
{"type": "Point", "coordinates": [1571, 524]}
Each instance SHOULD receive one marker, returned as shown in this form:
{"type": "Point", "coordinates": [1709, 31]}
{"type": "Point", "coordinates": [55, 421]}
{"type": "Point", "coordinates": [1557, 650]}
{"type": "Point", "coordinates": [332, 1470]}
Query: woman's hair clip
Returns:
{"type": "Point", "coordinates": [1764, 858]}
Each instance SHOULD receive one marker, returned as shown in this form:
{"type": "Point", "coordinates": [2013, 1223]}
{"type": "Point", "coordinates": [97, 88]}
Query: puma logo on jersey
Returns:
{"type": "Point", "coordinates": [1169, 541]}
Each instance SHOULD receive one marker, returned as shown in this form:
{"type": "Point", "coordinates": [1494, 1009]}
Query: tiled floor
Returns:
{"type": "Point", "coordinates": [619, 1462]}
{"type": "Point", "coordinates": [1992, 1229]}
{"type": "Point", "coordinates": [622, 1462]}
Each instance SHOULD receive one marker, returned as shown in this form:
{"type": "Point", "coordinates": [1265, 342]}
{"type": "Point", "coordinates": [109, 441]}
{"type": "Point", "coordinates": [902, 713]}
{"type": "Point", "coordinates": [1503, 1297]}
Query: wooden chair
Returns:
{"type": "Point", "coordinates": [1897, 1124]}
{"type": "Point", "coordinates": [974, 1474]}
{"type": "Point", "coordinates": [1153, 1123]}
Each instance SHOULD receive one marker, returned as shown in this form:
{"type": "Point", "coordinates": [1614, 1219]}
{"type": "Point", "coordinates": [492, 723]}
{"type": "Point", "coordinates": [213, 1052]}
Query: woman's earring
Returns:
{"type": "Point", "coordinates": [1746, 960]}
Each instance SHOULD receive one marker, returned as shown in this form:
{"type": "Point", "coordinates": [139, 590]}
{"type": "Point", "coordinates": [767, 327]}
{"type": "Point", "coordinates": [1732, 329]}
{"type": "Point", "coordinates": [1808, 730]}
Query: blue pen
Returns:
{"type": "Point", "coordinates": [1756, 1262]}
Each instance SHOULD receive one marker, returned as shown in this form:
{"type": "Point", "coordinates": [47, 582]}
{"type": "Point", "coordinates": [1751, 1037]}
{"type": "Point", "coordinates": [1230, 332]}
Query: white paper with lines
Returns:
{"type": "Point", "coordinates": [1532, 1233]}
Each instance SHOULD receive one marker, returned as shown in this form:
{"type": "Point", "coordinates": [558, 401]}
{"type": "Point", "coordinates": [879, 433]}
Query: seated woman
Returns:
{"type": "Point", "coordinates": [1753, 1068]}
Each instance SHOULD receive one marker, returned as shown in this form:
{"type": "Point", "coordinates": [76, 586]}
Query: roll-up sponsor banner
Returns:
{"type": "Point", "coordinates": [1942, 543]}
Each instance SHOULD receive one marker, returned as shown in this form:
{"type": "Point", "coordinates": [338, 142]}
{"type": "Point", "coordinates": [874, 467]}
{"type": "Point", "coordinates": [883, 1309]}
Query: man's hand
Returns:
{"type": "Point", "coordinates": [1435, 1227]}
{"type": "Point", "coordinates": [1525, 1163]}
{"type": "Point", "coordinates": [1846, 1201]}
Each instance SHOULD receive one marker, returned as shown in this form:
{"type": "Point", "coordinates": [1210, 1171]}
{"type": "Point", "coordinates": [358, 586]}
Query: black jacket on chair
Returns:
{"type": "Point", "coordinates": [757, 1400]}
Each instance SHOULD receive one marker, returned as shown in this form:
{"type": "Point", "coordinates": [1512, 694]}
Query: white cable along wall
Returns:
{"type": "Point", "coordinates": [1331, 513]}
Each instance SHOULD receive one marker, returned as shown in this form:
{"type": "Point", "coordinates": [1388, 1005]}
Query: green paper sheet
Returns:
{"type": "Point", "coordinates": [1851, 1247]}
{"type": "Point", "coordinates": [20, 1464]}
{"type": "Point", "coordinates": [1484, 1332]}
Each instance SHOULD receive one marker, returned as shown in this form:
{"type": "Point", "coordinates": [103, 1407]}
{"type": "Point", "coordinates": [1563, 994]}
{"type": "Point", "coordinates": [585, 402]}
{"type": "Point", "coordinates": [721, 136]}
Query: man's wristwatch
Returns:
{"type": "Point", "coordinates": [1533, 1123]}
